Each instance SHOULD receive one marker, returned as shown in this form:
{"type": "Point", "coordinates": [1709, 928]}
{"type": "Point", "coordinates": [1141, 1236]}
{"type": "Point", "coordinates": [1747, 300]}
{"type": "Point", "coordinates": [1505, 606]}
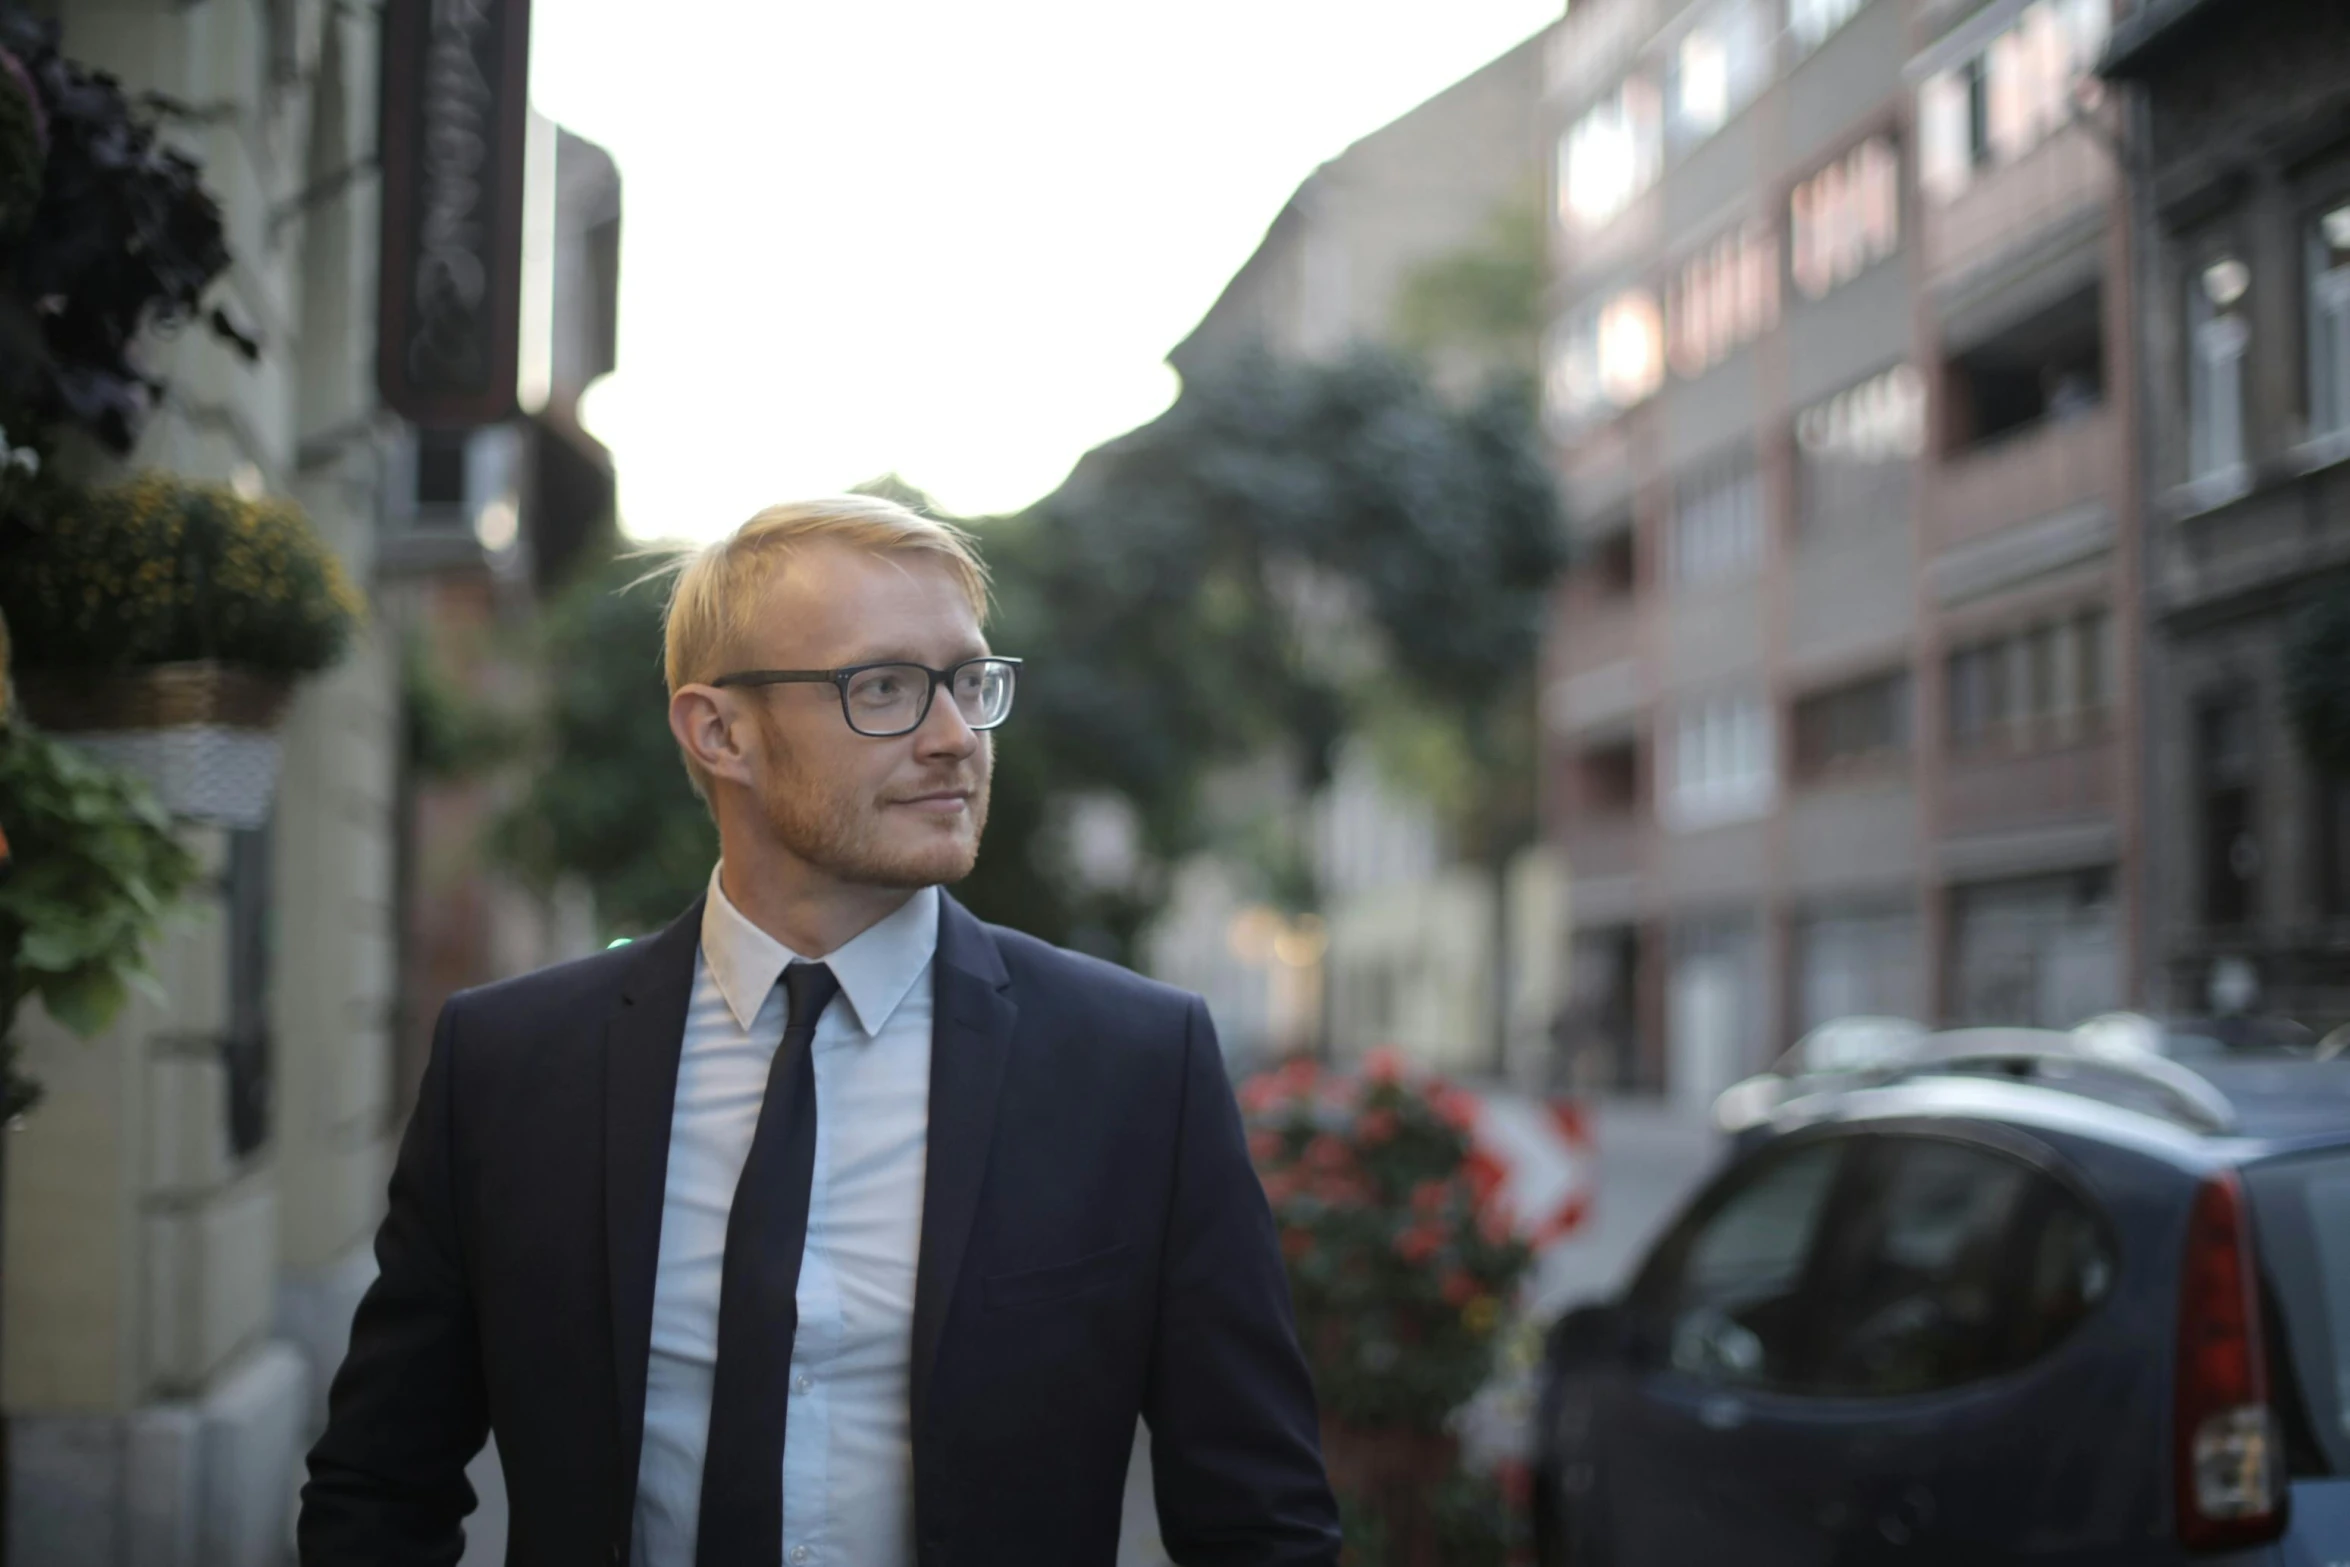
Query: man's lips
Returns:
{"type": "Point", "coordinates": [940, 802]}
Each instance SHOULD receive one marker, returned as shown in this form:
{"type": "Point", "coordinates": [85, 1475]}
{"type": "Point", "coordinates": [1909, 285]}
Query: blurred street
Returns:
{"type": "Point", "coordinates": [1711, 636]}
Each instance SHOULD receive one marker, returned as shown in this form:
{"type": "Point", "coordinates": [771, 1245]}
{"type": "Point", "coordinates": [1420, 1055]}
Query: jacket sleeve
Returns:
{"type": "Point", "coordinates": [408, 1410]}
{"type": "Point", "coordinates": [1235, 1440]}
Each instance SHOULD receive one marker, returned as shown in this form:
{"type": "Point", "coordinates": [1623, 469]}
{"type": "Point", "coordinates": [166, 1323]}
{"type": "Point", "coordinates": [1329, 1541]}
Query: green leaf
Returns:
{"type": "Point", "coordinates": [86, 1000]}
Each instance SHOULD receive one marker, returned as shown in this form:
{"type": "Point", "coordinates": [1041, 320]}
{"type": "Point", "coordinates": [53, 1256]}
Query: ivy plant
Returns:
{"type": "Point", "coordinates": [94, 870]}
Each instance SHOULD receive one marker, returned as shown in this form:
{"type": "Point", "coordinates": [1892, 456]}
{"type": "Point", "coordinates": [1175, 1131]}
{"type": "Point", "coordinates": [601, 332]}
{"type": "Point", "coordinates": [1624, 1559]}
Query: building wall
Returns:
{"type": "Point", "coordinates": [1801, 873]}
{"type": "Point", "coordinates": [1327, 272]}
{"type": "Point", "coordinates": [172, 1305]}
{"type": "Point", "coordinates": [2239, 146]}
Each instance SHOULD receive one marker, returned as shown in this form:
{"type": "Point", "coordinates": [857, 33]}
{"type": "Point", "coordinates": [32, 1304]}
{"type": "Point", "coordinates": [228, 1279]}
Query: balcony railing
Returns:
{"type": "Point", "coordinates": [2034, 472]}
{"type": "Point", "coordinates": [1982, 794]}
{"type": "Point", "coordinates": [2003, 207]}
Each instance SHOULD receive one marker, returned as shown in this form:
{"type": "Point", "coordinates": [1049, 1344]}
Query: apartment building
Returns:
{"type": "Point", "coordinates": [188, 1212]}
{"type": "Point", "coordinates": [1839, 694]}
{"type": "Point", "coordinates": [2240, 126]}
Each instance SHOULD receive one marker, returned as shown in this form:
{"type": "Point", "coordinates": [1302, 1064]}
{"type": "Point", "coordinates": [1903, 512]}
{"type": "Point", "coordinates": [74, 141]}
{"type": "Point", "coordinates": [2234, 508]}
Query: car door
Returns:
{"type": "Point", "coordinates": [1946, 1382]}
{"type": "Point", "coordinates": [1705, 1448]}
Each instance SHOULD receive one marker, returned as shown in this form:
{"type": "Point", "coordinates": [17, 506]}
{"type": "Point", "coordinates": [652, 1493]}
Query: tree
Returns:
{"type": "Point", "coordinates": [608, 800]}
{"type": "Point", "coordinates": [1291, 552]}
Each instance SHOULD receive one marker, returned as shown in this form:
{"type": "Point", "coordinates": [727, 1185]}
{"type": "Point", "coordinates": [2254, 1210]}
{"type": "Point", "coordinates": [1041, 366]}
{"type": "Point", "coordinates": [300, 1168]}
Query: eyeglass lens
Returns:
{"type": "Point", "coordinates": [891, 699]}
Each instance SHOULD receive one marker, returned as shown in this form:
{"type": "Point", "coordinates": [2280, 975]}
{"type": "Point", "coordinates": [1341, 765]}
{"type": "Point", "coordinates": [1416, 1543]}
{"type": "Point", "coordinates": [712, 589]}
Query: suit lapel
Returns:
{"type": "Point", "coordinates": [641, 1050]}
{"type": "Point", "coordinates": [971, 1039]}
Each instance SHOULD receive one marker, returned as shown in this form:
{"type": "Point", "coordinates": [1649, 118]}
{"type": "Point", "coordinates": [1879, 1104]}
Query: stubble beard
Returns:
{"type": "Point", "coordinates": [842, 832]}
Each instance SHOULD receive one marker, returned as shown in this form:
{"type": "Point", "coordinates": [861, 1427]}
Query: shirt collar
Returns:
{"type": "Point", "coordinates": [876, 968]}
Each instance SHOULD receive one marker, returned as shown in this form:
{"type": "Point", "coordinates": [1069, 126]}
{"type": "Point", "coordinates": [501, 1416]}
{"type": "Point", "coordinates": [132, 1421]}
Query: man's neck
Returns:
{"type": "Point", "coordinates": [812, 913]}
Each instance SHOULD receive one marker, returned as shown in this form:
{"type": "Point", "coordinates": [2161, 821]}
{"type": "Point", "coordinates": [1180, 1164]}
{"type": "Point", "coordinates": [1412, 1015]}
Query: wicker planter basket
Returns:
{"type": "Point", "coordinates": [203, 736]}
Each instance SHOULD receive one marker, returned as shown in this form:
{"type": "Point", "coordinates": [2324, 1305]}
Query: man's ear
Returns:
{"type": "Point", "coordinates": [712, 728]}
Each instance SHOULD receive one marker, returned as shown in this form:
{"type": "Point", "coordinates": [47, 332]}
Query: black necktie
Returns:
{"type": "Point", "coordinates": [758, 1312]}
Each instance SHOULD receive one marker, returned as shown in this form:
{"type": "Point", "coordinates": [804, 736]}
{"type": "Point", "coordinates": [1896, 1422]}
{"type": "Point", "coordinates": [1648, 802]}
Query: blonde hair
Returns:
{"type": "Point", "coordinates": [718, 587]}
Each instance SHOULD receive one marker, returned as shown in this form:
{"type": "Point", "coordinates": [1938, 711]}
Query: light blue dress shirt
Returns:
{"type": "Point", "coordinates": [848, 1498]}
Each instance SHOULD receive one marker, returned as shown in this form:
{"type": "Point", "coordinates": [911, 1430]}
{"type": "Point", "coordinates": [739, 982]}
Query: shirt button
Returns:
{"type": "Point", "coordinates": [799, 1553]}
{"type": "Point", "coordinates": [801, 1384]}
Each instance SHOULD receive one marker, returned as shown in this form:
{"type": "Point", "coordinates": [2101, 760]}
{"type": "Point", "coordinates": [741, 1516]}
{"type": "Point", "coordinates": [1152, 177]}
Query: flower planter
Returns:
{"type": "Point", "coordinates": [1394, 1471]}
{"type": "Point", "coordinates": [202, 735]}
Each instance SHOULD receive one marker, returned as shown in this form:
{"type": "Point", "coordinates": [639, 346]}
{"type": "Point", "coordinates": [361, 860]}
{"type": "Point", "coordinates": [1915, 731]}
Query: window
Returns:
{"type": "Point", "coordinates": [1610, 563]}
{"type": "Point", "coordinates": [2329, 323]}
{"type": "Point", "coordinates": [2227, 756]}
{"type": "Point", "coordinates": [1717, 68]}
{"type": "Point", "coordinates": [1811, 21]}
{"type": "Point", "coordinates": [2218, 334]}
{"type": "Point", "coordinates": [1859, 962]}
{"type": "Point", "coordinates": [1998, 105]}
{"type": "Point", "coordinates": [2037, 952]}
{"type": "Point", "coordinates": [2333, 870]}
{"type": "Point", "coordinates": [1855, 452]}
{"type": "Point", "coordinates": [1721, 762]}
{"type": "Point", "coordinates": [1852, 726]}
{"type": "Point", "coordinates": [2047, 684]}
{"type": "Point", "coordinates": [1956, 1264]}
{"type": "Point", "coordinates": [1846, 218]}
{"type": "Point", "coordinates": [1607, 778]}
{"type": "Point", "coordinates": [440, 467]}
{"type": "Point", "coordinates": [1610, 155]}
{"type": "Point", "coordinates": [1727, 1288]}
{"type": "Point", "coordinates": [1604, 358]}
{"type": "Point", "coordinates": [2049, 367]}
{"type": "Point", "coordinates": [1717, 525]}
{"type": "Point", "coordinates": [1721, 298]}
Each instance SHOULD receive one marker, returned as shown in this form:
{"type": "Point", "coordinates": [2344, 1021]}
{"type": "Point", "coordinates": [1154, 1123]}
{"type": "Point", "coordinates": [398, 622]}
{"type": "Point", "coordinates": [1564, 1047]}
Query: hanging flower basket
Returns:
{"type": "Point", "coordinates": [203, 735]}
{"type": "Point", "coordinates": [160, 626]}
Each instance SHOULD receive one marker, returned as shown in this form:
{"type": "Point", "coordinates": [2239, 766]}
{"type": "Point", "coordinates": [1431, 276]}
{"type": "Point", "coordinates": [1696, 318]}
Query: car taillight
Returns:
{"type": "Point", "coordinates": [2230, 1475]}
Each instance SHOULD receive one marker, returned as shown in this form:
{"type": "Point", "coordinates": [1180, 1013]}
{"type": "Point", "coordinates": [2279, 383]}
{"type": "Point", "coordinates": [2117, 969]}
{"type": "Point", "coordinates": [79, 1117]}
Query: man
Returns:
{"type": "Point", "coordinates": [830, 1225]}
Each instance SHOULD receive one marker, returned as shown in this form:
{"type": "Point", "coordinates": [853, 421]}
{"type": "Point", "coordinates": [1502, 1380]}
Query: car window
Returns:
{"type": "Point", "coordinates": [1727, 1292]}
{"type": "Point", "coordinates": [2301, 1224]}
{"type": "Point", "coordinates": [1955, 1262]}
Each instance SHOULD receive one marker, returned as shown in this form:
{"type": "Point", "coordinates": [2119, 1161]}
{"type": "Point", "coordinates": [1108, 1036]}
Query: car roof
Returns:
{"type": "Point", "coordinates": [2282, 1105]}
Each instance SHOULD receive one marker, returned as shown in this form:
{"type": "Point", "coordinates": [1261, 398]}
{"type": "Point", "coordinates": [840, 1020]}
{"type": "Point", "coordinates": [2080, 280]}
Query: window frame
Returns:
{"type": "Point", "coordinates": [1829, 246]}
{"type": "Point", "coordinates": [2202, 315]}
{"type": "Point", "coordinates": [1722, 503]}
{"type": "Point", "coordinates": [1650, 1300]}
{"type": "Point", "coordinates": [1811, 764]}
{"type": "Point", "coordinates": [1865, 1175]}
{"type": "Point", "coordinates": [2328, 404]}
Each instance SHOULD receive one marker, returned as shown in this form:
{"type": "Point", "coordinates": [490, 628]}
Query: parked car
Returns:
{"type": "Point", "coordinates": [2025, 1297]}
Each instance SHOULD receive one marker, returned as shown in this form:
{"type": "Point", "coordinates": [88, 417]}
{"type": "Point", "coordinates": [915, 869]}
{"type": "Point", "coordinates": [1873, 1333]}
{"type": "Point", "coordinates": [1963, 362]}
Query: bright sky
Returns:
{"type": "Point", "coordinates": [949, 240]}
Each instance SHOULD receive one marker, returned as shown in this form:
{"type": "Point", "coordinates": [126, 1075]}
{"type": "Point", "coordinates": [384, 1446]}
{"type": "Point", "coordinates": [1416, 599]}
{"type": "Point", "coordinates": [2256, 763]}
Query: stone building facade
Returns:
{"type": "Point", "coordinates": [2239, 133]}
{"type": "Point", "coordinates": [188, 1213]}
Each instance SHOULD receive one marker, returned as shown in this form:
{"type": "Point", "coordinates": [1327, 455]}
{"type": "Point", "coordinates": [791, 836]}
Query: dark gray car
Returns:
{"type": "Point", "coordinates": [2016, 1308]}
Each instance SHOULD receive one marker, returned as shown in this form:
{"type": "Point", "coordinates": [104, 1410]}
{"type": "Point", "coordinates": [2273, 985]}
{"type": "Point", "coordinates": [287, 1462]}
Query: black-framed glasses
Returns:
{"type": "Point", "coordinates": [884, 700]}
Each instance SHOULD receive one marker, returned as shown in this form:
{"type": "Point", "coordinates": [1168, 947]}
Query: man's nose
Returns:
{"type": "Point", "coordinates": [944, 731]}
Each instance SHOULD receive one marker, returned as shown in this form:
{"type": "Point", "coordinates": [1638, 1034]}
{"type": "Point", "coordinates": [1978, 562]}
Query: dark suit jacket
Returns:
{"type": "Point", "coordinates": [1094, 1246]}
